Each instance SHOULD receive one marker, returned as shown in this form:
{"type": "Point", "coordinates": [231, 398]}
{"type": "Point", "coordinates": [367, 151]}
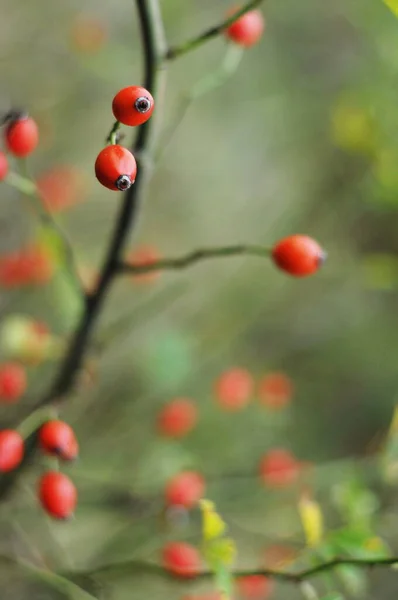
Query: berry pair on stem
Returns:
{"type": "Point", "coordinates": [116, 167]}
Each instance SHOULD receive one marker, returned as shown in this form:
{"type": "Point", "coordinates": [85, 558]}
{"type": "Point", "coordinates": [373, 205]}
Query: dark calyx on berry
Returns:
{"type": "Point", "coordinates": [123, 183]}
{"type": "Point", "coordinates": [15, 114]}
{"type": "Point", "coordinates": [142, 104]}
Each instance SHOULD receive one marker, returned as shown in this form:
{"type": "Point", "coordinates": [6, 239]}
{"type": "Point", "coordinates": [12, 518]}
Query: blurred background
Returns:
{"type": "Point", "coordinates": [301, 139]}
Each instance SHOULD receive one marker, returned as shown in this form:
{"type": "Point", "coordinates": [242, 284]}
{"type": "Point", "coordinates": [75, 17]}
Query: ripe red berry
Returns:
{"type": "Point", "coordinates": [233, 389]}
{"type": "Point", "coordinates": [298, 255]}
{"type": "Point", "coordinates": [185, 489]}
{"type": "Point", "coordinates": [58, 438]}
{"type": "Point", "coordinates": [133, 105]}
{"type": "Point", "coordinates": [247, 30]}
{"type": "Point", "coordinates": [181, 559]}
{"type": "Point", "coordinates": [11, 450]}
{"type": "Point", "coordinates": [116, 168]}
{"type": "Point", "coordinates": [279, 468]}
{"type": "Point", "coordinates": [21, 136]}
{"type": "Point", "coordinates": [12, 382]}
{"type": "Point", "coordinates": [57, 494]}
{"type": "Point", "coordinates": [3, 166]}
{"type": "Point", "coordinates": [177, 418]}
{"type": "Point", "coordinates": [30, 266]}
{"type": "Point", "coordinates": [254, 587]}
{"type": "Point", "coordinates": [275, 390]}
{"type": "Point", "coordinates": [143, 256]}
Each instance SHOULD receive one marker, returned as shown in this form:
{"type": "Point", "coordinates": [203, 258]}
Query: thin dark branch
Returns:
{"type": "Point", "coordinates": [196, 256]}
{"type": "Point", "coordinates": [151, 27]}
{"type": "Point", "coordinates": [177, 51]}
{"type": "Point", "coordinates": [139, 566]}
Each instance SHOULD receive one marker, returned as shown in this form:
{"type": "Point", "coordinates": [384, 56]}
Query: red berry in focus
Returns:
{"type": "Point", "coordinates": [116, 168]}
{"type": "Point", "coordinates": [234, 388]}
{"type": "Point", "coordinates": [254, 587]}
{"type": "Point", "coordinates": [142, 257]}
{"type": "Point", "coordinates": [12, 382]}
{"type": "Point", "coordinates": [181, 559]}
{"type": "Point", "coordinates": [279, 468]}
{"type": "Point", "coordinates": [133, 105]}
{"type": "Point", "coordinates": [57, 494]}
{"type": "Point", "coordinates": [58, 438]}
{"type": "Point", "coordinates": [3, 166]}
{"type": "Point", "coordinates": [275, 390]}
{"type": "Point", "coordinates": [177, 418]}
{"type": "Point", "coordinates": [298, 255]}
{"type": "Point", "coordinates": [185, 489]}
{"type": "Point", "coordinates": [11, 450]}
{"type": "Point", "coordinates": [61, 187]}
{"type": "Point", "coordinates": [21, 136]}
{"type": "Point", "coordinates": [247, 30]}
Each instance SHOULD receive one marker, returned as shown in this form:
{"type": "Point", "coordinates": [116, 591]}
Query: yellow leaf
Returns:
{"type": "Point", "coordinates": [312, 520]}
{"type": "Point", "coordinates": [392, 5]}
{"type": "Point", "coordinates": [212, 524]}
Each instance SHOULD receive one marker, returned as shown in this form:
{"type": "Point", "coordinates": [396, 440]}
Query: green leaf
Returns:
{"type": "Point", "coordinates": [213, 525]}
{"type": "Point", "coordinates": [392, 5]}
{"type": "Point", "coordinates": [219, 552]}
{"type": "Point", "coordinates": [224, 581]}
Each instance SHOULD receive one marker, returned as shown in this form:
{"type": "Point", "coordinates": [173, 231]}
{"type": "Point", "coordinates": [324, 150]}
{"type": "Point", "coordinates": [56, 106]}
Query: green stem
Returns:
{"type": "Point", "coordinates": [113, 134]}
{"type": "Point", "coordinates": [187, 260]}
{"type": "Point", "coordinates": [177, 51]}
{"type": "Point", "coordinates": [35, 419]}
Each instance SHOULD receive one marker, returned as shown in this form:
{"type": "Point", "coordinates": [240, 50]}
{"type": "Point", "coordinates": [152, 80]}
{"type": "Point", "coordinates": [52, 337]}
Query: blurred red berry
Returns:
{"type": "Point", "coordinates": [115, 168]}
{"type": "Point", "coordinates": [234, 388]}
{"type": "Point", "coordinates": [57, 494]}
{"type": "Point", "coordinates": [177, 418]}
{"type": "Point", "coordinates": [21, 136]}
{"type": "Point", "coordinates": [30, 266]}
{"type": "Point", "coordinates": [279, 468]}
{"type": "Point", "coordinates": [247, 30]}
{"type": "Point", "coordinates": [61, 187]}
{"type": "Point", "coordinates": [11, 450]}
{"type": "Point", "coordinates": [58, 438]}
{"type": "Point", "coordinates": [185, 489]}
{"type": "Point", "coordinates": [275, 390]}
{"type": "Point", "coordinates": [181, 559]}
{"type": "Point", "coordinates": [3, 166]}
{"type": "Point", "coordinates": [298, 255]}
{"type": "Point", "coordinates": [254, 587]}
{"type": "Point", "coordinates": [133, 105]}
{"type": "Point", "coordinates": [13, 382]}
{"type": "Point", "coordinates": [88, 34]}
{"type": "Point", "coordinates": [144, 256]}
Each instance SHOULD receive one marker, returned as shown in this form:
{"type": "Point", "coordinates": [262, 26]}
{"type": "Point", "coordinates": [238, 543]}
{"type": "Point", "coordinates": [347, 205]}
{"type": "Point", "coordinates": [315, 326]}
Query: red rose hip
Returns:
{"type": "Point", "coordinates": [298, 255]}
{"type": "Point", "coordinates": [181, 559]}
{"type": "Point", "coordinates": [247, 30]}
{"type": "Point", "coordinates": [185, 489]}
{"type": "Point", "coordinates": [57, 494]}
{"type": "Point", "coordinates": [133, 105]}
{"type": "Point", "coordinates": [116, 168]}
{"type": "Point", "coordinates": [177, 418]}
{"type": "Point", "coordinates": [11, 450]}
{"type": "Point", "coordinates": [3, 166]}
{"type": "Point", "coordinates": [12, 382]}
{"type": "Point", "coordinates": [58, 438]}
{"type": "Point", "coordinates": [21, 136]}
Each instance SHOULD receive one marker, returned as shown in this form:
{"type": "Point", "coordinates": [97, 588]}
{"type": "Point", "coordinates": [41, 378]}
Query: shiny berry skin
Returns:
{"type": "Point", "coordinates": [181, 560]}
{"type": "Point", "coordinates": [279, 468]}
{"type": "Point", "coordinates": [3, 166]}
{"type": "Point", "coordinates": [233, 389]}
{"type": "Point", "coordinates": [275, 390]}
{"type": "Point", "coordinates": [254, 587]}
{"type": "Point", "coordinates": [11, 450]}
{"type": "Point", "coordinates": [58, 438]}
{"type": "Point", "coordinates": [57, 494]}
{"type": "Point", "coordinates": [177, 418]}
{"type": "Point", "coordinates": [133, 105]}
{"type": "Point", "coordinates": [247, 30]}
{"type": "Point", "coordinates": [116, 168]}
{"type": "Point", "coordinates": [12, 382]}
{"type": "Point", "coordinates": [298, 255]}
{"type": "Point", "coordinates": [185, 489]}
{"type": "Point", "coordinates": [21, 136]}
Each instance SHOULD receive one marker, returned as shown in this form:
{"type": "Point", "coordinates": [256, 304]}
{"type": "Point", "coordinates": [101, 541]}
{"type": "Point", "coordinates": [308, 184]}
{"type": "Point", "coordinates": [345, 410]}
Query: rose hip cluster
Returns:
{"type": "Point", "coordinates": [116, 167]}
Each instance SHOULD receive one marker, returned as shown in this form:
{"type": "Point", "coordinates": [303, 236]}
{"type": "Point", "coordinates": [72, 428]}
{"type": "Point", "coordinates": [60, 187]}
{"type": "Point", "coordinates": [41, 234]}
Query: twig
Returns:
{"type": "Point", "coordinates": [153, 40]}
{"type": "Point", "coordinates": [187, 260]}
{"type": "Point", "coordinates": [176, 51]}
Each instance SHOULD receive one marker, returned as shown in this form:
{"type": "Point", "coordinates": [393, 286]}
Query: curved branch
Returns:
{"type": "Point", "coordinates": [176, 51]}
{"type": "Point", "coordinates": [193, 257]}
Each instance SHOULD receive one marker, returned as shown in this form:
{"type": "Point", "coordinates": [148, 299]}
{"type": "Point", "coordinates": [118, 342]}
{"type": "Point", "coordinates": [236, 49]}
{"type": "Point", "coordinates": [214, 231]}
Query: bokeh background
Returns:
{"type": "Point", "coordinates": [302, 138]}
